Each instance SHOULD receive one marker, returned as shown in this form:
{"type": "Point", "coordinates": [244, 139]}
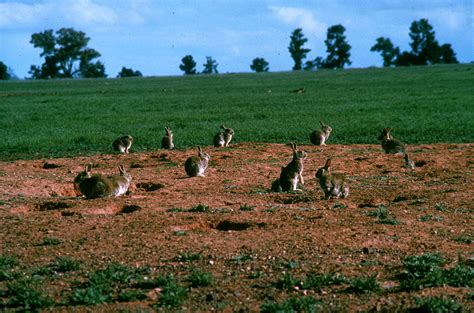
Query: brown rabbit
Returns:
{"type": "Point", "coordinates": [123, 143]}
{"type": "Point", "coordinates": [333, 184]}
{"type": "Point", "coordinates": [223, 138]}
{"type": "Point", "coordinates": [292, 173]}
{"type": "Point", "coordinates": [197, 165]}
{"type": "Point", "coordinates": [320, 136]}
{"type": "Point", "coordinates": [98, 186]}
{"type": "Point", "coordinates": [167, 141]}
{"type": "Point", "coordinates": [390, 144]}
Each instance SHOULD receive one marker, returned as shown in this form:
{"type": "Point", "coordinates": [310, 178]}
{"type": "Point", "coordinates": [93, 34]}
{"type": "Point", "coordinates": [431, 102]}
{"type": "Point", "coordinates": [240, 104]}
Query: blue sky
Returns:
{"type": "Point", "coordinates": [153, 36]}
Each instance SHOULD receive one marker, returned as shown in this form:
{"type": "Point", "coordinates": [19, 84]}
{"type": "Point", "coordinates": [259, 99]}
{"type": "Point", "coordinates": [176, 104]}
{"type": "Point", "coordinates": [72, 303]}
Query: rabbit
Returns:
{"type": "Point", "coordinates": [293, 172]}
{"type": "Point", "coordinates": [222, 138]}
{"type": "Point", "coordinates": [333, 184]}
{"type": "Point", "coordinates": [409, 164]}
{"type": "Point", "coordinates": [167, 141]}
{"type": "Point", "coordinates": [390, 144]}
{"type": "Point", "coordinates": [123, 143]}
{"type": "Point", "coordinates": [320, 136]}
{"type": "Point", "coordinates": [276, 186]}
{"type": "Point", "coordinates": [197, 165]}
{"type": "Point", "coordinates": [98, 186]}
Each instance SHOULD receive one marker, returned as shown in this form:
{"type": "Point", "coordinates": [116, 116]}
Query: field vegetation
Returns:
{"type": "Point", "coordinates": [75, 117]}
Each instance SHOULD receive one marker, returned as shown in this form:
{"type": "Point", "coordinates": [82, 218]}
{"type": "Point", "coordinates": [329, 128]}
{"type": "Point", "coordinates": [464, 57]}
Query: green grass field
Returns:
{"type": "Point", "coordinates": [77, 117]}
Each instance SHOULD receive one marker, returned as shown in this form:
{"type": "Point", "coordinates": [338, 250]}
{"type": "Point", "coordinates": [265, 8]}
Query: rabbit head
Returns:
{"type": "Point", "coordinates": [385, 135]}
{"type": "Point", "coordinates": [324, 171]}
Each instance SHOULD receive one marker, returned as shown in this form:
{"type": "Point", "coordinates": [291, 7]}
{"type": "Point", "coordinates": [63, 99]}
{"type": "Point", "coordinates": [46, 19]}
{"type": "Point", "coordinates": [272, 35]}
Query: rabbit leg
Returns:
{"type": "Point", "coordinates": [300, 175]}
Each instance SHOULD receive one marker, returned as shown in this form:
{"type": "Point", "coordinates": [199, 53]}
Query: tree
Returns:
{"type": "Point", "coordinates": [128, 72]}
{"type": "Point", "coordinates": [424, 45]}
{"type": "Point", "coordinates": [210, 67]}
{"type": "Point", "coordinates": [337, 47]}
{"type": "Point", "coordinates": [66, 55]}
{"type": "Point", "coordinates": [389, 52]}
{"type": "Point", "coordinates": [259, 65]}
{"type": "Point", "coordinates": [298, 53]}
{"type": "Point", "coordinates": [4, 73]}
{"type": "Point", "coordinates": [425, 49]}
{"type": "Point", "coordinates": [188, 65]}
{"type": "Point", "coordinates": [447, 55]}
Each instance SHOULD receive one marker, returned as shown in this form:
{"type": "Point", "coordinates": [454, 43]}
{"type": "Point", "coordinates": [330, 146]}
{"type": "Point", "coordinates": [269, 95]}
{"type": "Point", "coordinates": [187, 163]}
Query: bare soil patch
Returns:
{"type": "Point", "coordinates": [246, 236]}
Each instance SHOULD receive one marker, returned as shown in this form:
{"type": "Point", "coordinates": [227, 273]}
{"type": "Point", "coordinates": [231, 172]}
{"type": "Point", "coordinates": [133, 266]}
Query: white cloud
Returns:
{"type": "Point", "coordinates": [15, 13]}
{"type": "Point", "coordinates": [88, 12]}
{"type": "Point", "coordinates": [56, 13]}
{"type": "Point", "coordinates": [301, 18]}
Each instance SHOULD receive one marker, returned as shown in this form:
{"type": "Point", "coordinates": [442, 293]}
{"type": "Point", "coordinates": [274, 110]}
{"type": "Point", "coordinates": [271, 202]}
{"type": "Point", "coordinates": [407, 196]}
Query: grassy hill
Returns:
{"type": "Point", "coordinates": [73, 117]}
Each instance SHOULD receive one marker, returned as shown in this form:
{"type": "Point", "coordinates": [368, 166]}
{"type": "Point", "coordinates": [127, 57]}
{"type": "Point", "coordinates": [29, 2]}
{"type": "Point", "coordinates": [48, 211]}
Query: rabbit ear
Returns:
{"type": "Point", "coordinates": [88, 168]}
{"type": "Point", "coordinates": [223, 127]}
{"type": "Point", "coordinates": [328, 164]}
{"type": "Point", "coordinates": [199, 149]}
{"type": "Point", "coordinates": [321, 123]}
{"type": "Point", "coordinates": [122, 169]}
{"type": "Point", "coordinates": [294, 146]}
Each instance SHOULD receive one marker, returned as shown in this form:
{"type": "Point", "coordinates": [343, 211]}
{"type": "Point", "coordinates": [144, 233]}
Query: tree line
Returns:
{"type": "Point", "coordinates": [66, 54]}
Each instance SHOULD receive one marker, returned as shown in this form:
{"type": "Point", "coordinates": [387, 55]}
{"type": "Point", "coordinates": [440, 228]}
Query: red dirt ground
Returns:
{"type": "Point", "coordinates": [302, 229]}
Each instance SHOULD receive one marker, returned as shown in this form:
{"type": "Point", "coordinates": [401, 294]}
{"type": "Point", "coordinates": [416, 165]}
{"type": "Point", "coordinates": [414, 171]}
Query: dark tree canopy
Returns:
{"type": "Point", "coordinates": [259, 65]}
{"type": "Point", "coordinates": [128, 72]}
{"type": "Point", "coordinates": [337, 47]}
{"type": "Point", "coordinates": [388, 51]}
{"type": "Point", "coordinates": [424, 45]}
{"type": "Point", "coordinates": [210, 67]}
{"type": "Point", "coordinates": [298, 53]}
{"type": "Point", "coordinates": [425, 49]}
{"type": "Point", "coordinates": [4, 74]}
{"type": "Point", "coordinates": [188, 65]}
{"type": "Point", "coordinates": [66, 55]}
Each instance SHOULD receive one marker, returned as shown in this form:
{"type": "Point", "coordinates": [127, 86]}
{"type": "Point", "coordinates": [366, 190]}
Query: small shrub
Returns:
{"type": "Point", "coordinates": [155, 282]}
{"type": "Point", "coordinates": [287, 282]}
{"type": "Point", "coordinates": [388, 221]}
{"type": "Point", "coordinates": [188, 257]}
{"type": "Point", "coordinates": [174, 210]}
{"type": "Point", "coordinates": [422, 271]}
{"type": "Point", "coordinates": [104, 285]}
{"type": "Point", "coordinates": [299, 304]}
{"type": "Point", "coordinates": [172, 295]}
{"type": "Point", "coordinates": [200, 208]}
{"type": "Point", "coordinates": [66, 264]}
{"type": "Point", "coordinates": [130, 295]}
{"type": "Point", "coordinates": [246, 208]}
{"type": "Point", "coordinates": [90, 295]}
{"type": "Point", "coordinates": [50, 241]}
{"type": "Point", "coordinates": [464, 239]}
{"type": "Point", "coordinates": [380, 212]}
{"type": "Point", "coordinates": [7, 263]}
{"type": "Point", "coordinates": [241, 258]}
{"type": "Point", "coordinates": [43, 271]}
{"type": "Point", "coordinates": [364, 284]}
{"type": "Point", "coordinates": [440, 206]}
{"type": "Point", "coordinates": [25, 294]}
{"type": "Point", "coordinates": [437, 305]}
{"type": "Point", "coordinates": [459, 276]}
{"type": "Point", "coordinates": [200, 279]}
{"type": "Point", "coordinates": [318, 281]}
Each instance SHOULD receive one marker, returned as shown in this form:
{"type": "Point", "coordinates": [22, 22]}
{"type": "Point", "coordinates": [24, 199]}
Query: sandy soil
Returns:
{"type": "Point", "coordinates": [37, 199]}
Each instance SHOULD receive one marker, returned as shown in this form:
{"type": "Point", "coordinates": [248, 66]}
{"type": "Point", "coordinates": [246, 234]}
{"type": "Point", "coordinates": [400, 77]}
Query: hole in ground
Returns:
{"type": "Point", "coordinates": [237, 226]}
{"type": "Point", "coordinates": [129, 209]}
{"type": "Point", "coordinates": [150, 186]}
{"type": "Point", "coordinates": [48, 206]}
